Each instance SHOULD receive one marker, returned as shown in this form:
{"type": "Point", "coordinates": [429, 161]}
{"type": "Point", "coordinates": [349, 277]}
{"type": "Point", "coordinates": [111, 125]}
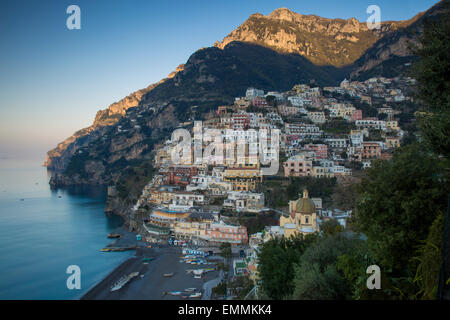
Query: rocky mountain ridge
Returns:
{"type": "Point", "coordinates": [125, 133]}
{"type": "Point", "coordinates": [106, 117]}
{"type": "Point", "coordinates": [323, 41]}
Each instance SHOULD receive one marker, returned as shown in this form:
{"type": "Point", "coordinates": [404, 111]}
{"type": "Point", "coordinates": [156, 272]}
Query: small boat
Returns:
{"type": "Point", "coordinates": [190, 289]}
{"type": "Point", "coordinates": [168, 274]}
{"type": "Point", "coordinates": [120, 283]}
{"type": "Point", "coordinates": [123, 281]}
{"type": "Point", "coordinates": [105, 250]}
{"type": "Point", "coordinates": [122, 248]}
{"type": "Point", "coordinates": [114, 235]}
{"type": "Point", "coordinates": [196, 295]}
{"type": "Point", "coordinates": [147, 259]}
{"type": "Point", "coordinates": [175, 293]}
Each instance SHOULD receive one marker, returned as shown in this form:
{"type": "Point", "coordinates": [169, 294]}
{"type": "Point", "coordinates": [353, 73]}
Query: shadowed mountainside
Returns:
{"type": "Point", "coordinates": [125, 133]}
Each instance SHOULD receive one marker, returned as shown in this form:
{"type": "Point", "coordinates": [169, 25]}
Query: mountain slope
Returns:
{"type": "Point", "coordinates": [56, 158]}
{"type": "Point", "coordinates": [210, 77]}
{"type": "Point", "coordinates": [323, 41]}
{"type": "Point", "coordinates": [391, 55]}
{"type": "Point", "coordinates": [126, 132]}
{"type": "Point", "coordinates": [212, 73]}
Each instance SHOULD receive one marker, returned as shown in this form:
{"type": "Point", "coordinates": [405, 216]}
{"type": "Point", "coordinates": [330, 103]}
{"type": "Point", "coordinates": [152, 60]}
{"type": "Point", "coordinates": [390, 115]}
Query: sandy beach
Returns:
{"type": "Point", "coordinates": [153, 284]}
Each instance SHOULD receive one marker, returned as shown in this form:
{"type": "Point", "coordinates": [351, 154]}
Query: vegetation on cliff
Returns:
{"type": "Point", "coordinates": [214, 76]}
{"type": "Point", "coordinates": [399, 209]}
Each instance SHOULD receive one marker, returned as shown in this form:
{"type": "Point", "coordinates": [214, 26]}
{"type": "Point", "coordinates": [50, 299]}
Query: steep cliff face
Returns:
{"type": "Point", "coordinates": [57, 158]}
{"type": "Point", "coordinates": [210, 77]}
{"type": "Point", "coordinates": [213, 74]}
{"type": "Point", "coordinates": [271, 52]}
{"type": "Point", "coordinates": [334, 42]}
{"type": "Point", "coordinates": [99, 156]}
{"type": "Point", "coordinates": [391, 55]}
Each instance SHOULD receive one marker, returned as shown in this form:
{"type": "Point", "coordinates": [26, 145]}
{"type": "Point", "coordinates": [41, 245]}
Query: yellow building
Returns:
{"type": "Point", "coordinates": [392, 142]}
{"type": "Point", "coordinates": [242, 179]}
{"type": "Point", "coordinates": [321, 172]}
{"type": "Point", "coordinates": [302, 217]}
{"type": "Point", "coordinates": [392, 125]}
{"type": "Point", "coordinates": [193, 227]}
{"type": "Point", "coordinates": [161, 196]}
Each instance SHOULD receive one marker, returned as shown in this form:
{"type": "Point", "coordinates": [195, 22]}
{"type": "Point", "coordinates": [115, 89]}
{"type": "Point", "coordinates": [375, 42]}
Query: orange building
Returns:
{"type": "Point", "coordinates": [220, 232]}
{"type": "Point", "coordinates": [370, 150]}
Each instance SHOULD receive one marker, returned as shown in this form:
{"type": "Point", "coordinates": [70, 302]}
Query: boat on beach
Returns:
{"type": "Point", "coordinates": [114, 235]}
{"type": "Point", "coordinates": [119, 248]}
{"type": "Point", "coordinates": [123, 281]}
{"type": "Point", "coordinates": [147, 259]}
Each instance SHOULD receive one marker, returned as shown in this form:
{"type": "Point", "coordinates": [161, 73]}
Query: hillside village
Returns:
{"type": "Point", "coordinates": [329, 132]}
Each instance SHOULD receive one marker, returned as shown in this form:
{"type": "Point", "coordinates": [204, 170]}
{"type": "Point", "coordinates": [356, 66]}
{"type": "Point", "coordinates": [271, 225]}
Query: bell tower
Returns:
{"type": "Point", "coordinates": [305, 193]}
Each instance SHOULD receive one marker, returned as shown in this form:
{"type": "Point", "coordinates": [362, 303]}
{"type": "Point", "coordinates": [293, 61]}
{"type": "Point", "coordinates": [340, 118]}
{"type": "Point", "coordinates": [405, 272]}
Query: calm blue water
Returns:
{"type": "Point", "coordinates": [44, 234]}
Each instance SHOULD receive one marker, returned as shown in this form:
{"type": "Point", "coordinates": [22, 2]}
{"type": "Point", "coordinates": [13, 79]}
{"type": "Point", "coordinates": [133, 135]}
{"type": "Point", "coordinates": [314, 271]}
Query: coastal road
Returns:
{"type": "Point", "coordinates": [207, 286]}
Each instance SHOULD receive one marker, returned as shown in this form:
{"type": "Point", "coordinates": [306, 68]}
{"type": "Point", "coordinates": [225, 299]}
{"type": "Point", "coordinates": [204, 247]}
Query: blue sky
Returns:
{"type": "Point", "coordinates": [53, 80]}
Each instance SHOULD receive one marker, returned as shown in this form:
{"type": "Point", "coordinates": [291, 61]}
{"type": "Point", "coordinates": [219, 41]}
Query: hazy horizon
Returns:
{"type": "Point", "coordinates": [54, 80]}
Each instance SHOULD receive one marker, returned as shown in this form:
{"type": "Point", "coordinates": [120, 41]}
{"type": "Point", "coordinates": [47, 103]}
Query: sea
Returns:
{"type": "Point", "coordinates": [44, 232]}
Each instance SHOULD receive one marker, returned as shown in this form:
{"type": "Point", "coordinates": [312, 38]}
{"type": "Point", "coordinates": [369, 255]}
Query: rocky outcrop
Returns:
{"type": "Point", "coordinates": [57, 158]}
{"type": "Point", "coordinates": [392, 54]}
{"type": "Point", "coordinates": [323, 41]}
{"type": "Point", "coordinates": [271, 52]}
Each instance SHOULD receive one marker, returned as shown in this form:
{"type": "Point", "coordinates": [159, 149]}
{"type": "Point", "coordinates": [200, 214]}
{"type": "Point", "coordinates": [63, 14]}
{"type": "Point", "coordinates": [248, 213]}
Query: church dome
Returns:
{"type": "Point", "coordinates": [305, 205]}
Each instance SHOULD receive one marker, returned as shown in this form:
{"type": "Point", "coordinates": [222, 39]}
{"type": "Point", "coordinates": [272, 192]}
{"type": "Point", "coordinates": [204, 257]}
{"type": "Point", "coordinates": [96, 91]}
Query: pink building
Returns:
{"type": "Point", "coordinates": [321, 150]}
{"type": "Point", "coordinates": [259, 102]}
{"type": "Point", "coordinates": [291, 138]}
{"type": "Point", "coordinates": [241, 121]}
{"type": "Point", "coordinates": [357, 115]}
{"type": "Point", "coordinates": [298, 166]}
{"type": "Point", "coordinates": [221, 232]}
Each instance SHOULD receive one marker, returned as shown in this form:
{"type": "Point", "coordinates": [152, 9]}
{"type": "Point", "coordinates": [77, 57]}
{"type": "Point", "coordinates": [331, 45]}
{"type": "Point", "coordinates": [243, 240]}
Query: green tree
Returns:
{"type": "Point", "coordinates": [399, 200]}
{"type": "Point", "coordinates": [276, 264]}
{"type": "Point", "coordinates": [331, 227]}
{"type": "Point", "coordinates": [225, 250]}
{"type": "Point", "coordinates": [317, 275]}
{"type": "Point", "coordinates": [433, 82]}
{"type": "Point", "coordinates": [429, 257]}
{"type": "Point", "coordinates": [271, 101]}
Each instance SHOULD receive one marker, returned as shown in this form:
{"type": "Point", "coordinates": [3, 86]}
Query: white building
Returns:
{"type": "Point", "coordinates": [337, 143]}
{"type": "Point", "coordinates": [244, 201]}
{"type": "Point", "coordinates": [371, 124]}
{"type": "Point", "coordinates": [317, 116]}
{"type": "Point", "coordinates": [252, 93]}
{"type": "Point", "coordinates": [298, 101]}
